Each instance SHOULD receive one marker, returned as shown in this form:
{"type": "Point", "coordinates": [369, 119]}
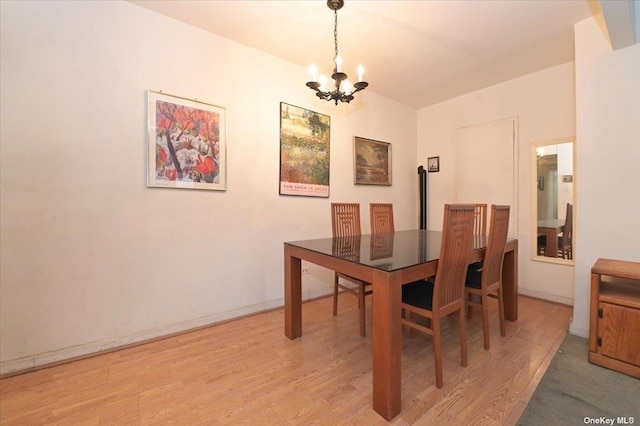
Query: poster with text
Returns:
{"type": "Point", "coordinates": [304, 152]}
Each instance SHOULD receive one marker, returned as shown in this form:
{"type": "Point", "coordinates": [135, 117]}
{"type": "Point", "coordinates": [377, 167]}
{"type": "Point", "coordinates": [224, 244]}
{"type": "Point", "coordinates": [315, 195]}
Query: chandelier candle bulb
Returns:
{"type": "Point", "coordinates": [323, 82]}
{"type": "Point", "coordinates": [338, 63]}
{"type": "Point", "coordinates": [360, 72]}
{"type": "Point", "coordinates": [313, 70]}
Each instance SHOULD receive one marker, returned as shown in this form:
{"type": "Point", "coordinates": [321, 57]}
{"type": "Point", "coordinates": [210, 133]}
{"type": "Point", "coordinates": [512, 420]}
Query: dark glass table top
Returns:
{"type": "Point", "coordinates": [551, 223]}
{"type": "Point", "coordinates": [387, 252]}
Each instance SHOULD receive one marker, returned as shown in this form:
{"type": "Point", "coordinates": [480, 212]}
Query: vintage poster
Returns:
{"type": "Point", "coordinates": [304, 152]}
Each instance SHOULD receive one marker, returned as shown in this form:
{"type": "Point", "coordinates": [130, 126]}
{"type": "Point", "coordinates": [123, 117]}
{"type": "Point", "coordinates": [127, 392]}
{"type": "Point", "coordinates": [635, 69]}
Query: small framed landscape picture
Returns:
{"type": "Point", "coordinates": [372, 162]}
{"type": "Point", "coordinates": [433, 164]}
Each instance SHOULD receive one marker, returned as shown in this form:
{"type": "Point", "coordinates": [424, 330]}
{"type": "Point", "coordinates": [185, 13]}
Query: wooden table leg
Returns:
{"type": "Point", "coordinates": [551, 235]}
{"type": "Point", "coordinates": [510, 283]}
{"type": "Point", "coordinates": [292, 295]}
{"type": "Point", "coordinates": [387, 344]}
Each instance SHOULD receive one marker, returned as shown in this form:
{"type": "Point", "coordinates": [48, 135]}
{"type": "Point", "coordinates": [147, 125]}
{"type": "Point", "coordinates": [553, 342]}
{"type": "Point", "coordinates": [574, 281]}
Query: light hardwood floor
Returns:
{"type": "Point", "coordinates": [247, 372]}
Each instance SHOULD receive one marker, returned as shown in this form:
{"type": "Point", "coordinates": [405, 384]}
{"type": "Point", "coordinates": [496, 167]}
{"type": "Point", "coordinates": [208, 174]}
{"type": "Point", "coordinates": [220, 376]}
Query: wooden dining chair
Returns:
{"type": "Point", "coordinates": [479, 228]}
{"type": "Point", "coordinates": [487, 282]}
{"type": "Point", "coordinates": [542, 244]}
{"type": "Point", "coordinates": [480, 220]}
{"type": "Point", "coordinates": [445, 296]}
{"type": "Point", "coordinates": [565, 247]}
{"type": "Point", "coordinates": [345, 222]}
{"type": "Point", "coordinates": [381, 218]}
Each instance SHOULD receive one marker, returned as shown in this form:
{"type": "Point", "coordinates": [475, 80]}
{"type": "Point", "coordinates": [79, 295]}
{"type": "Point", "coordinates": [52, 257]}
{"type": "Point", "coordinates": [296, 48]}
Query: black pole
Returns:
{"type": "Point", "coordinates": [423, 197]}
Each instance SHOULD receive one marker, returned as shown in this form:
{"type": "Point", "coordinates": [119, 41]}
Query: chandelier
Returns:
{"type": "Point", "coordinates": [343, 91]}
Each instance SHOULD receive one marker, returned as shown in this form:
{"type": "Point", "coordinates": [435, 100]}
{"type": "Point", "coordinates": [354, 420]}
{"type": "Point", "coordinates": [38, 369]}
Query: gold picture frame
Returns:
{"type": "Point", "coordinates": [371, 162]}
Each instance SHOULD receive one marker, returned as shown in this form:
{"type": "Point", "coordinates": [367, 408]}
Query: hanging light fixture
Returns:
{"type": "Point", "coordinates": [343, 91]}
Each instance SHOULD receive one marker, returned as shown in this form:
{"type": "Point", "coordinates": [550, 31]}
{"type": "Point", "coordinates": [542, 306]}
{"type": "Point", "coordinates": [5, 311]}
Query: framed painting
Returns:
{"type": "Point", "coordinates": [433, 164]}
{"type": "Point", "coordinates": [186, 143]}
{"type": "Point", "coordinates": [372, 162]}
{"type": "Point", "coordinates": [304, 152]}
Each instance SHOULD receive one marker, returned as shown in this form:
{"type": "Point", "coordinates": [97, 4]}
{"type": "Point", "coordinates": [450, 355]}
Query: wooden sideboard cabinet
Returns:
{"type": "Point", "coordinates": [614, 326]}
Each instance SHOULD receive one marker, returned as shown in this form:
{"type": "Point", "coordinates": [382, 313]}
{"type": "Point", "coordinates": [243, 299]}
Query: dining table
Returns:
{"type": "Point", "coordinates": [387, 261]}
{"type": "Point", "coordinates": [551, 228]}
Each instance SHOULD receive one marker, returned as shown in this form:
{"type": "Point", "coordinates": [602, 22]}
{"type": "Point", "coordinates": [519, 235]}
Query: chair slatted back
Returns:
{"type": "Point", "coordinates": [494, 254]}
{"type": "Point", "coordinates": [480, 220]}
{"type": "Point", "coordinates": [567, 231]}
{"type": "Point", "coordinates": [381, 218]}
{"type": "Point", "coordinates": [347, 247]}
{"type": "Point", "coordinates": [345, 219]}
{"type": "Point", "coordinates": [457, 237]}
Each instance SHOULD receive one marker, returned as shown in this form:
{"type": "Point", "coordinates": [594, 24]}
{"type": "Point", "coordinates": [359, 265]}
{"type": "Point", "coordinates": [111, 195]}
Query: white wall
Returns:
{"type": "Point", "coordinates": [565, 167]}
{"type": "Point", "coordinates": [608, 158]}
{"type": "Point", "coordinates": [637, 21]}
{"type": "Point", "coordinates": [543, 104]}
{"type": "Point", "coordinates": [93, 259]}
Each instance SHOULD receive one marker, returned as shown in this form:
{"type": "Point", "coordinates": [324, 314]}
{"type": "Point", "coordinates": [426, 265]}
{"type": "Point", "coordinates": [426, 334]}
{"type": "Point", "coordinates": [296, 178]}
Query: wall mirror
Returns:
{"type": "Point", "coordinates": [552, 201]}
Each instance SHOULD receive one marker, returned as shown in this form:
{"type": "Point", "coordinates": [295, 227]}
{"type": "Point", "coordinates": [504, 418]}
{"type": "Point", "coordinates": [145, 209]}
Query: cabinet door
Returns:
{"type": "Point", "coordinates": [619, 329]}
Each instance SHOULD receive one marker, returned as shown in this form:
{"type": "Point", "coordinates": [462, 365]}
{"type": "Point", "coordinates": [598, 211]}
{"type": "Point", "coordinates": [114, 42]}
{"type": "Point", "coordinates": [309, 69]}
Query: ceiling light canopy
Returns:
{"type": "Point", "coordinates": [343, 90]}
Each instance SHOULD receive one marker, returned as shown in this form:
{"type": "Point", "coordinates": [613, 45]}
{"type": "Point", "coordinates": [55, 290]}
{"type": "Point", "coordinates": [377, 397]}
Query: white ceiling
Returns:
{"type": "Point", "coordinates": [415, 52]}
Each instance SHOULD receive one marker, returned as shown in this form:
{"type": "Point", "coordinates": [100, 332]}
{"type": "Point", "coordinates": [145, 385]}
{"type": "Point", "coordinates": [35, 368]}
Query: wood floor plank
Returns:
{"type": "Point", "coordinates": [247, 371]}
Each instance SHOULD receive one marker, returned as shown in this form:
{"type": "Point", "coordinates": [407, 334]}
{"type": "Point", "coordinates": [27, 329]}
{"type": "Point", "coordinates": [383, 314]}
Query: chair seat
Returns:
{"type": "Point", "coordinates": [474, 279]}
{"type": "Point", "coordinates": [418, 293]}
{"type": "Point", "coordinates": [475, 266]}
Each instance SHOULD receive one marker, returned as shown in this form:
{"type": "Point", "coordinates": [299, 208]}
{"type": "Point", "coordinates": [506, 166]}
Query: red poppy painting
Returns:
{"type": "Point", "coordinates": [187, 143]}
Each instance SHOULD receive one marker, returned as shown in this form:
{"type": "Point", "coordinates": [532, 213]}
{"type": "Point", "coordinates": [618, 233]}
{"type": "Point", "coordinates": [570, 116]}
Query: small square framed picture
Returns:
{"type": "Point", "coordinates": [433, 164]}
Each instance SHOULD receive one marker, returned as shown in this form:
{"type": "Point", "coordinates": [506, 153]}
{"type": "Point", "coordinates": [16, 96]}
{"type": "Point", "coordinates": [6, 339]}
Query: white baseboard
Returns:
{"type": "Point", "coordinates": [578, 330]}
{"type": "Point", "coordinates": [546, 296]}
{"type": "Point", "coordinates": [87, 349]}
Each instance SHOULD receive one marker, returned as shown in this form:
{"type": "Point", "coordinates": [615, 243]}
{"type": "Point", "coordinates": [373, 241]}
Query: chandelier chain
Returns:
{"type": "Point", "coordinates": [335, 30]}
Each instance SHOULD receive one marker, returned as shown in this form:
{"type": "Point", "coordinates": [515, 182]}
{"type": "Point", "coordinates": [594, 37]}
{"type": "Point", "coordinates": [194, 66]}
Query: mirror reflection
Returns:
{"type": "Point", "coordinates": [554, 200]}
